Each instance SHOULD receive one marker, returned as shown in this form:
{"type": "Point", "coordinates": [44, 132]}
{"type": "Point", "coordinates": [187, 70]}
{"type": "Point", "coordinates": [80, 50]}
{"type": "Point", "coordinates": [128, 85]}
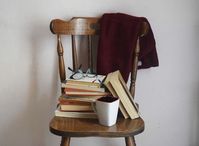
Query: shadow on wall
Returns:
{"type": "Point", "coordinates": [43, 97]}
{"type": "Point", "coordinates": [194, 141]}
{"type": "Point", "coordinates": [195, 122]}
{"type": "Point", "coordinates": [31, 125]}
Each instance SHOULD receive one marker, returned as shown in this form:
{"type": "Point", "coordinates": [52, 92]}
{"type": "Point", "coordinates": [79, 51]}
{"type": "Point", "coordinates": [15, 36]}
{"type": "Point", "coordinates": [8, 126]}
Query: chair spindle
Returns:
{"type": "Point", "coordinates": [134, 68]}
{"type": "Point", "coordinates": [60, 52]}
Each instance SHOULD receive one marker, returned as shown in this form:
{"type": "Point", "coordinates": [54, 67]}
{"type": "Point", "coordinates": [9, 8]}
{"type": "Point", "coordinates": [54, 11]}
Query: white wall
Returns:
{"type": "Point", "coordinates": [168, 95]}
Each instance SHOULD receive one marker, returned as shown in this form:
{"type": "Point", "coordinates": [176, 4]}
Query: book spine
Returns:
{"type": "Point", "coordinates": [63, 85]}
{"type": "Point", "coordinates": [83, 83]}
{"type": "Point", "coordinates": [124, 99]}
{"type": "Point", "coordinates": [127, 90]}
{"type": "Point", "coordinates": [83, 87]}
{"type": "Point", "coordinates": [82, 98]}
{"type": "Point", "coordinates": [87, 93]}
{"type": "Point", "coordinates": [79, 108]}
{"type": "Point", "coordinates": [91, 115]}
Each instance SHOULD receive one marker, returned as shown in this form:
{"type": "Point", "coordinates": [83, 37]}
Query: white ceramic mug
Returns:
{"type": "Point", "coordinates": [107, 110]}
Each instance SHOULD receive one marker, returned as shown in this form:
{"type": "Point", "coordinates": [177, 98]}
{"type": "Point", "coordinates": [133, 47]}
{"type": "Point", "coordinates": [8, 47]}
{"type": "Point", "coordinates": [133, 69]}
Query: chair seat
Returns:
{"type": "Point", "coordinates": [74, 127]}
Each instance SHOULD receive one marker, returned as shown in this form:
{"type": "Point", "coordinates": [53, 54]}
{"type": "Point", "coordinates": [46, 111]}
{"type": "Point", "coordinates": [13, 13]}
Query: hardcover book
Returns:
{"type": "Point", "coordinates": [117, 86]}
{"type": "Point", "coordinates": [70, 114]}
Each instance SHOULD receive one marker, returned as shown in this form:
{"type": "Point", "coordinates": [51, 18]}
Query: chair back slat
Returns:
{"type": "Point", "coordinates": [76, 26]}
{"type": "Point", "coordinates": [90, 53]}
{"type": "Point", "coordinates": [74, 53]}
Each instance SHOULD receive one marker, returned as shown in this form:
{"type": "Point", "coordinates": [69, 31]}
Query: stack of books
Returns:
{"type": "Point", "coordinates": [74, 108]}
{"type": "Point", "coordinates": [79, 94]}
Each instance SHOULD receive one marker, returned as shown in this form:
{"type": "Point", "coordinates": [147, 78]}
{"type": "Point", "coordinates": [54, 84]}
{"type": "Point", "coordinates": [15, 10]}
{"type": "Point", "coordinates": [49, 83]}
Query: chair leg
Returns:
{"type": "Point", "coordinates": [130, 141]}
{"type": "Point", "coordinates": [65, 141]}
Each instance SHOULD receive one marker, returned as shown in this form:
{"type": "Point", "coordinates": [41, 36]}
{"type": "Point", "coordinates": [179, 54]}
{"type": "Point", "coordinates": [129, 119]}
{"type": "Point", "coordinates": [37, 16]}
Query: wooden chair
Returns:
{"type": "Point", "coordinates": [74, 127]}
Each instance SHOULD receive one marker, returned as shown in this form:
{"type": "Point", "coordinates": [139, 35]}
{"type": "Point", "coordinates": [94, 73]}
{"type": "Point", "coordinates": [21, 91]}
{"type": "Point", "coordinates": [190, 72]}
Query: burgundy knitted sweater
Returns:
{"type": "Point", "coordinates": [118, 37]}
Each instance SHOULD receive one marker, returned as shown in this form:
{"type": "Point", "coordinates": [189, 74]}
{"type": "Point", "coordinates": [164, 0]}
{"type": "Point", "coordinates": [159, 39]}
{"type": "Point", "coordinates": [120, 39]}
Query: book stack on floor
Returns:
{"type": "Point", "coordinates": [79, 94]}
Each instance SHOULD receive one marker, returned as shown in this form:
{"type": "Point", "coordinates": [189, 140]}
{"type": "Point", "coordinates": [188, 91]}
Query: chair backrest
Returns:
{"type": "Point", "coordinates": [86, 26]}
